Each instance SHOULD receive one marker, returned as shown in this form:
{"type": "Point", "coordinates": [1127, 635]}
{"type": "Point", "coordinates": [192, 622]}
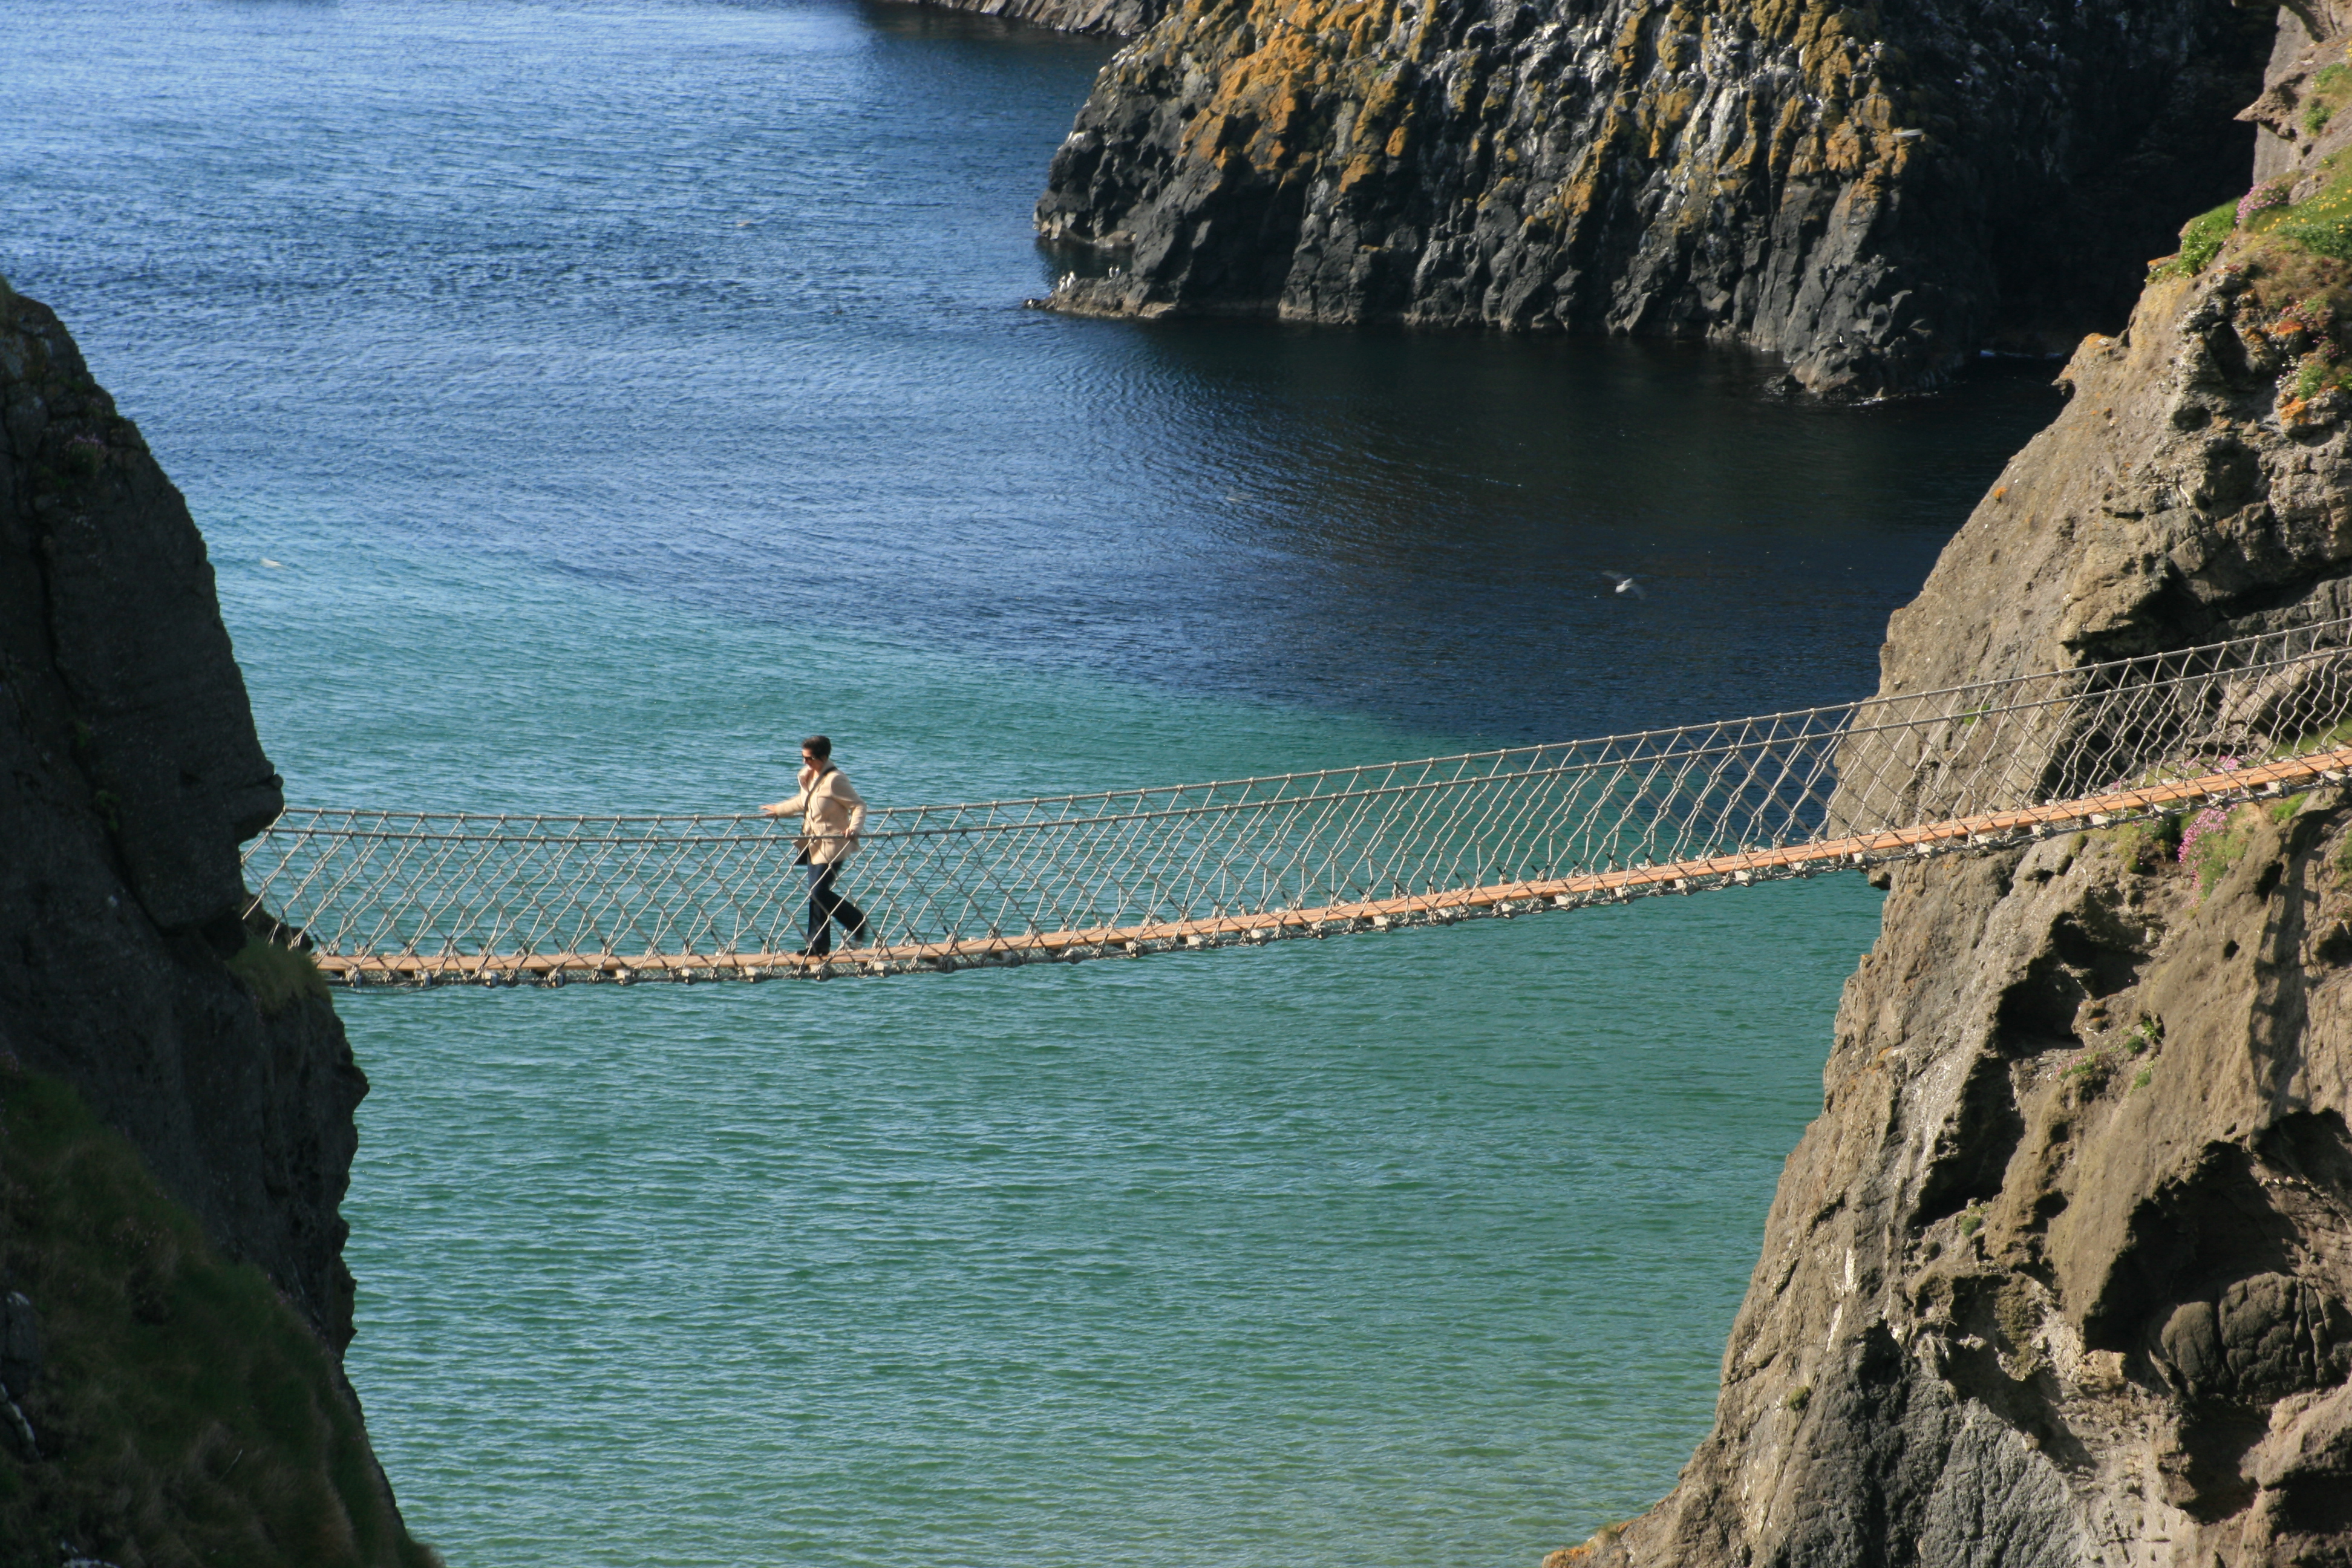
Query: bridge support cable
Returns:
{"type": "Point", "coordinates": [413, 897]}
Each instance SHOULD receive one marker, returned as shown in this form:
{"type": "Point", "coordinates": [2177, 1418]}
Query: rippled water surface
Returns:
{"type": "Point", "coordinates": [584, 401]}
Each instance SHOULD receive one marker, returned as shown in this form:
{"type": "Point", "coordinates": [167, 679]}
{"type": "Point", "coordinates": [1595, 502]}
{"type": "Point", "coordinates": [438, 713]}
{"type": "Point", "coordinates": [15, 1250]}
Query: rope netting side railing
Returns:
{"type": "Point", "coordinates": [410, 895]}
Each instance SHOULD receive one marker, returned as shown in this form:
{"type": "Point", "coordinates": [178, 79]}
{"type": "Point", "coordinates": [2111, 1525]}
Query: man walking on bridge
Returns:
{"type": "Point", "coordinates": [831, 813]}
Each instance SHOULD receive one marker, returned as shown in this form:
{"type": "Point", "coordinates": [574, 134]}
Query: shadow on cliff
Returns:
{"type": "Point", "coordinates": [130, 993]}
{"type": "Point", "coordinates": [1871, 194]}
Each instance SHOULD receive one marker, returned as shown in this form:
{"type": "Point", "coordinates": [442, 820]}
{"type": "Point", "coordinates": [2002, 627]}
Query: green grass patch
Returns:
{"type": "Point", "coordinates": [2315, 375]}
{"type": "Point", "coordinates": [2296, 263]}
{"type": "Point", "coordinates": [278, 977]}
{"type": "Point", "coordinates": [2201, 238]}
{"type": "Point", "coordinates": [2321, 225]}
{"type": "Point", "coordinates": [187, 1412]}
{"type": "Point", "coordinates": [2327, 740]}
{"type": "Point", "coordinates": [2091, 1073]}
{"type": "Point", "coordinates": [2146, 845]}
{"type": "Point", "coordinates": [2220, 848]}
{"type": "Point", "coordinates": [2329, 90]}
{"type": "Point", "coordinates": [2283, 277]}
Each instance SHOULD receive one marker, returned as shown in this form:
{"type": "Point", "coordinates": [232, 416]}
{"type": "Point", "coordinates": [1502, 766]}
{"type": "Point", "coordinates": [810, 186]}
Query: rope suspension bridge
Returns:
{"type": "Point", "coordinates": [405, 898]}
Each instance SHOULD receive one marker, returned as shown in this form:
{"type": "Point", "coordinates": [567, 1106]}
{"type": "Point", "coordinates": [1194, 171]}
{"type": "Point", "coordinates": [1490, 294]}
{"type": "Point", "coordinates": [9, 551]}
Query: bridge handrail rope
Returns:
{"type": "Point", "coordinates": [416, 895]}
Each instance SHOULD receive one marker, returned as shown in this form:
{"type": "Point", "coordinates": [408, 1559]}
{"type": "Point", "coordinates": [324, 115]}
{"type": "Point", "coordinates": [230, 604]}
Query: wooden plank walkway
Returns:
{"type": "Point", "coordinates": [1987, 831]}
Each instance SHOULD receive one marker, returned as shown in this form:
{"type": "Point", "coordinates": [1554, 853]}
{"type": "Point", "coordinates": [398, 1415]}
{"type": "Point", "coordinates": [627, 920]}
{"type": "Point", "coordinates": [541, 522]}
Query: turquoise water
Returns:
{"type": "Point", "coordinates": [584, 401]}
{"type": "Point", "coordinates": [1399, 1250]}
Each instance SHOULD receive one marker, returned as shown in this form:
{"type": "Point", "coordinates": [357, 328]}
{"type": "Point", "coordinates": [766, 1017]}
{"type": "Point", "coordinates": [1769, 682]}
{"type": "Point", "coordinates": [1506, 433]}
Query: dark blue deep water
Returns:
{"type": "Point", "coordinates": [583, 401]}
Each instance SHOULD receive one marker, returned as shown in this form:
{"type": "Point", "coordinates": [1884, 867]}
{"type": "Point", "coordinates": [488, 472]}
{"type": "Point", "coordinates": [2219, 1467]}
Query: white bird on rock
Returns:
{"type": "Point", "coordinates": [1625, 586]}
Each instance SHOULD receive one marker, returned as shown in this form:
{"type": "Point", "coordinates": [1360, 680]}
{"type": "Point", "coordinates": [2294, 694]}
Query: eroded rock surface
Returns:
{"type": "Point", "coordinates": [1869, 192]}
{"type": "Point", "coordinates": [2060, 1276]}
{"type": "Point", "coordinates": [2063, 1273]}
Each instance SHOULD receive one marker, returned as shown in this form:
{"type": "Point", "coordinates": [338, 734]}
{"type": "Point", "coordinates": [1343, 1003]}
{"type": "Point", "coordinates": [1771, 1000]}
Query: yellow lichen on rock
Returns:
{"type": "Point", "coordinates": [1751, 169]}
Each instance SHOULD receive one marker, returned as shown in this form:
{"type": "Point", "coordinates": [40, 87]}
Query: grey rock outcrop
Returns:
{"type": "Point", "coordinates": [1871, 193]}
{"type": "Point", "coordinates": [2060, 1275]}
{"type": "Point", "coordinates": [2063, 1272]}
{"type": "Point", "coordinates": [1116, 18]}
{"type": "Point", "coordinates": [2287, 138]}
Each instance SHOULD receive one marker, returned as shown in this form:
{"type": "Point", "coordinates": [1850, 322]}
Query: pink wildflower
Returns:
{"type": "Point", "coordinates": [2262, 197]}
{"type": "Point", "coordinates": [2209, 820]}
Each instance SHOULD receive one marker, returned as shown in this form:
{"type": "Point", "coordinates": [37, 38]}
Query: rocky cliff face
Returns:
{"type": "Point", "coordinates": [1871, 193]}
{"type": "Point", "coordinates": [129, 774]}
{"type": "Point", "coordinates": [2061, 1275]}
{"type": "Point", "coordinates": [2058, 1277]}
{"type": "Point", "coordinates": [1120, 17]}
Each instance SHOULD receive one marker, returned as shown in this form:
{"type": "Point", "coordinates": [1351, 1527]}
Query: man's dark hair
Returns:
{"type": "Point", "coordinates": [821, 745]}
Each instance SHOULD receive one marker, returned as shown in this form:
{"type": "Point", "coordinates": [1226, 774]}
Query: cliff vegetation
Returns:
{"type": "Point", "coordinates": [181, 1411]}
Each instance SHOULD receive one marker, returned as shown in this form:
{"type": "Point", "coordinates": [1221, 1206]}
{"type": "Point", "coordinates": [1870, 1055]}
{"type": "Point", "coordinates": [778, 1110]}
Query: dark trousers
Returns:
{"type": "Point", "coordinates": [826, 905]}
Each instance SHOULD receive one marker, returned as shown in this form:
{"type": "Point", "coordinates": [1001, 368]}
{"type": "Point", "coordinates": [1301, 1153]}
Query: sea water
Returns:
{"type": "Point", "coordinates": [585, 400]}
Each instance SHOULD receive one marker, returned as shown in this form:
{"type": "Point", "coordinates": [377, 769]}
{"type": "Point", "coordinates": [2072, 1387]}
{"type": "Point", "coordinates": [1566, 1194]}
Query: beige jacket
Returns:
{"type": "Point", "coordinates": [832, 810]}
